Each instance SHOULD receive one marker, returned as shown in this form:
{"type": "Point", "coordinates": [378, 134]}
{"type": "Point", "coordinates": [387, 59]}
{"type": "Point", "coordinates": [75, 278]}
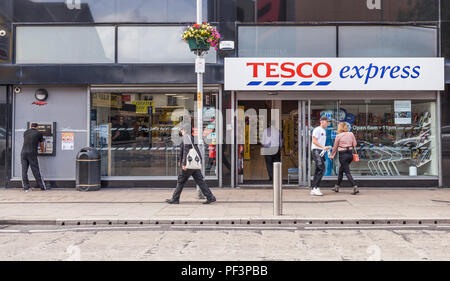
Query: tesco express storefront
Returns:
{"type": "Point", "coordinates": [390, 104]}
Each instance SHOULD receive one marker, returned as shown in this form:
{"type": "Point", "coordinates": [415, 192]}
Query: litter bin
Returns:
{"type": "Point", "coordinates": [88, 175]}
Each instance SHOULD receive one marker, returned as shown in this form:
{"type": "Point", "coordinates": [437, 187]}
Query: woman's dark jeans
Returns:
{"type": "Point", "coordinates": [345, 158]}
{"type": "Point", "coordinates": [199, 180]}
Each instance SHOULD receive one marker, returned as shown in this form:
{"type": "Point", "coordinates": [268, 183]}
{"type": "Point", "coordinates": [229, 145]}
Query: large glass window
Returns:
{"type": "Point", "coordinates": [137, 133]}
{"type": "Point", "coordinates": [65, 44]}
{"type": "Point", "coordinates": [387, 41]}
{"type": "Point", "coordinates": [395, 138]}
{"type": "Point", "coordinates": [107, 10]}
{"type": "Point", "coordinates": [3, 135]}
{"type": "Point", "coordinates": [331, 10]}
{"type": "Point", "coordinates": [155, 44]}
{"type": "Point", "coordinates": [287, 41]}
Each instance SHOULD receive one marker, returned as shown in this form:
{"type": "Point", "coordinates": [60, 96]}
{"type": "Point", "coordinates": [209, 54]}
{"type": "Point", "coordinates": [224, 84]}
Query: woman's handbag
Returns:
{"type": "Point", "coordinates": [355, 155]}
{"type": "Point", "coordinates": [193, 160]}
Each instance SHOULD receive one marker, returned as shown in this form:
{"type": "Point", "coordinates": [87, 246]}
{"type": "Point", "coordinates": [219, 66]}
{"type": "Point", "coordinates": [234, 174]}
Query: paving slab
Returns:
{"type": "Point", "coordinates": [234, 205]}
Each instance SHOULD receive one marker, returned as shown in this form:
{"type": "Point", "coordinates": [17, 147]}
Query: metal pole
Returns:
{"type": "Point", "coordinates": [277, 190]}
{"type": "Point", "coordinates": [200, 105]}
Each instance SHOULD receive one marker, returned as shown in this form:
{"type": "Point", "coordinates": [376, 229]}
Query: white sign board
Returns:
{"type": "Point", "coordinates": [402, 112]}
{"type": "Point", "coordinates": [200, 65]}
{"type": "Point", "coordinates": [334, 74]}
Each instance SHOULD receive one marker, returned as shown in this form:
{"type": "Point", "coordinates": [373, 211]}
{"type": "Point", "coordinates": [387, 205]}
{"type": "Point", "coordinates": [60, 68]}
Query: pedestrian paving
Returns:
{"type": "Point", "coordinates": [147, 205]}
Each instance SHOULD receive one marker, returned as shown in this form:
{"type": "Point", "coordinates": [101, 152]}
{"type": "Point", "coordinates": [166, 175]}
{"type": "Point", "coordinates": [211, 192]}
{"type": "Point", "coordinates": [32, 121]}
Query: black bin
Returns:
{"type": "Point", "coordinates": [88, 176]}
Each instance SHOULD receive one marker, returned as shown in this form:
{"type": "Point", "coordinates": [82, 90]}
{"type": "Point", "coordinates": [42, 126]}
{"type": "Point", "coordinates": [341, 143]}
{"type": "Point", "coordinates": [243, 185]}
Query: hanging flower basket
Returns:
{"type": "Point", "coordinates": [197, 45]}
{"type": "Point", "coordinates": [201, 37]}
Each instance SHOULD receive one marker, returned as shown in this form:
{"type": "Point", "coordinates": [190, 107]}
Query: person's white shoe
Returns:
{"type": "Point", "coordinates": [316, 192]}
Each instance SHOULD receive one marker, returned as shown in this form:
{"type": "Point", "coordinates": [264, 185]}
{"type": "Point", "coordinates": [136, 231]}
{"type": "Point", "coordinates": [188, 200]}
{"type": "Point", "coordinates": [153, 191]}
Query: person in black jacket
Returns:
{"type": "Point", "coordinates": [29, 156]}
{"type": "Point", "coordinates": [185, 146]}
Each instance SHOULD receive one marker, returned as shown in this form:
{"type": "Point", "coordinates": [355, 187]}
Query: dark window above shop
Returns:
{"type": "Point", "coordinates": [109, 10]}
{"type": "Point", "coordinates": [6, 10]}
{"type": "Point", "coordinates": [332, 10]}
{"type": "Point", "coordinates": [445, 29]}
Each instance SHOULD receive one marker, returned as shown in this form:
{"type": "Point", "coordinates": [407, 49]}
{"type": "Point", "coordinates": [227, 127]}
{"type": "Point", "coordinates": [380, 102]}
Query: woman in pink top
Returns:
{"type": "Point", "coordinates": [345, 142]}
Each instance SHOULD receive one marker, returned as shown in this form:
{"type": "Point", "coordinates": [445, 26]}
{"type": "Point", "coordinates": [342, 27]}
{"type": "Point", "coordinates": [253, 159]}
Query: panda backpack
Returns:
{"type": "Point", "coordinates": [193, 160]}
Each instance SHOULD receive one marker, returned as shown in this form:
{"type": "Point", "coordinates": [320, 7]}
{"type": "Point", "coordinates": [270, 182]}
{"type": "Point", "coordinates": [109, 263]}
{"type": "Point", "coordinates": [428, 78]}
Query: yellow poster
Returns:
{"type": "Point", "coordinates": [288, 136]}
{"type": "Point", "coordinates": [247, 143]}
{"type": "Point", "coordinates": [142, 106]}
{"type": "Point", "coordinates": [106, 100]}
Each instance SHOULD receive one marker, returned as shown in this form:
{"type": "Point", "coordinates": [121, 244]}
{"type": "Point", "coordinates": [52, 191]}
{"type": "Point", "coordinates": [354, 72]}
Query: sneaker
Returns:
{"type": "Point", "coordinates": [172, 201]}
{"type": "Point", "coordinates": [210, 200]}
{"type": "Point", "coordinates": [336, 188]}
{"type": "Point", "coordinates": [316, 192]}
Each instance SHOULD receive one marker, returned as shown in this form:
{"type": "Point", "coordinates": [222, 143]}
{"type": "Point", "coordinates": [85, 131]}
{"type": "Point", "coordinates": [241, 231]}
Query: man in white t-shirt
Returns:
{"type": "Point", "coordinates": [319, 138]}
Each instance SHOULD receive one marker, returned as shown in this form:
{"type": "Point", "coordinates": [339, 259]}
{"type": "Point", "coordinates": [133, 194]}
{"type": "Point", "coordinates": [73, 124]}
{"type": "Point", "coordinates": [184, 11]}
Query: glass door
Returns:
{"type": "Point", "coordinates": [303, 143]}
{"type": "Point", "coordinates": [331, 110]}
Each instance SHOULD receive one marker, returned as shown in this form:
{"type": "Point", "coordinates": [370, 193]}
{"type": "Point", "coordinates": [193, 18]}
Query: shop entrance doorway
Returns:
{"type": "Point", "coordinates": [268, 131]}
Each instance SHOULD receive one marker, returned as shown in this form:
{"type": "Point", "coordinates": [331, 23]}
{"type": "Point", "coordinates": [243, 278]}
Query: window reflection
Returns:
{"type": "Point", "coordinates": [137, 133]}
{"type": "Point", "coordinates": [390, 142]}
{"type": "Point", "coordinates": [65, 44]}
{"type": "Point", "coordinates": [387, 41]}
{"type": "Point", "coordinates": [328, 10]}
{"type": "Point", "coordinates": [3, 135]}
{"type": "Point", "coordinates": [110, 10]}
{"type": "Point", "coordinates": [287, 41]}
{"type": "Point", "coordinates": [155, 44]}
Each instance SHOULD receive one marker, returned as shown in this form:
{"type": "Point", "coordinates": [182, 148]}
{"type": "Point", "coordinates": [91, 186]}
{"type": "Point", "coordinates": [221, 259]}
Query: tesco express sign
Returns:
{"type": "Point", "coordinates": [315, 74]}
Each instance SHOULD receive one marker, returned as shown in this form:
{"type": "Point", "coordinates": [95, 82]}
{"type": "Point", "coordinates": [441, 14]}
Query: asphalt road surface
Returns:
{"type": "Point", "coordinates": [225, 243]}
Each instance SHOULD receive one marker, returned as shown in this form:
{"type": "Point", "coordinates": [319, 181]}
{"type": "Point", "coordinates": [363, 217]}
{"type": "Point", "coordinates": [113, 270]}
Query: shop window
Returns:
{"type": "Point", "coordinates": [394, 138]}
{"type": "Point", "coordinates": [137, 132]}
{"type": "Point", "coordinates": [387, 41]}
{"type": "Point", "coordinates": [155, 44]}
{"type": "Point", "coordinates": [287, 41]}
{"type": "Point", "coordinates": [65, 44]}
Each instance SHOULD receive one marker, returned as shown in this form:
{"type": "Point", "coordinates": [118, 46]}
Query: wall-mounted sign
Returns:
{"type": "Point", "coordinates": [402, 112]}
{"type": "Point", "coordinates": [106, 100]}
{"type": "Point", "coordinates": [142, 106]}
{"type": "Point", "coordinates": [335, 74]}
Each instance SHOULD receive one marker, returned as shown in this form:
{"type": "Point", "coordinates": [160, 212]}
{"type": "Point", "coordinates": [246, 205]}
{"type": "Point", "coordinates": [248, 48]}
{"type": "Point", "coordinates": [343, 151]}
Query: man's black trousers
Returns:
{"type": "Point", "coordinates": [320, 167]}
{"type": "Point", "coordinates": [270, 159]}
{"type": "Point", "coordinates": [31, 160]}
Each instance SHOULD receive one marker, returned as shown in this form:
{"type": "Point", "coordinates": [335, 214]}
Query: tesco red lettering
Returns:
{"type": "Point", "coordinates": [299, 70]}
{"type": "Point", "coordinates": [270, 69]}
{"type": "Point", "coordinates": [316, 70]}
{"type": "Point", "coordinates": [285, 69]}
{"type": "Point", "coordinates": [255, 67]}
{"type": "Point", "coordinates": [290, 69]}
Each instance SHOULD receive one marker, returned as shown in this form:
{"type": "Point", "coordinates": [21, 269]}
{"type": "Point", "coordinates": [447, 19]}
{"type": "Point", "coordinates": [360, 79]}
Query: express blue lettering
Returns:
{"type": "Point", "coordinates": [394, 70]}
{"type": "Point", "coordinates": [357, 72]}
{"type": "Point", "coordinates": [369, 69]}
{"type": "Point", "coordinates": [343, 71]}
{"type": "Point", "coordinates": [405, 72]}
{"type": "Point", "coordinates": [383, 70]}
{"type": "Point", "coordinates": [416, 71]}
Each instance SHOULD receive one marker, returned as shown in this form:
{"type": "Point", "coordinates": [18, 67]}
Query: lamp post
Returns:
{"type": "Point", "coordinates": [199, 69]}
